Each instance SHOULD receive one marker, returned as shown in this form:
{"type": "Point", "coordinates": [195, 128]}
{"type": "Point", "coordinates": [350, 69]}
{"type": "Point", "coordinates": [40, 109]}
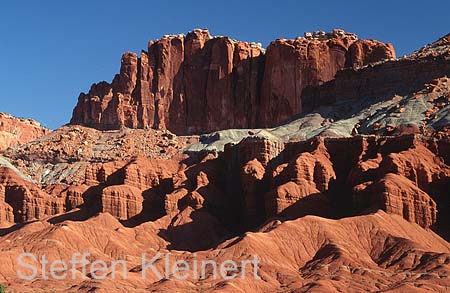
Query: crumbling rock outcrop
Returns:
{"type": "Point", "coordinates": [6, 211]}
{"type": "Point", "coordinates": [364, 52]}
{"type": "Point", "coordinates": [27, 200]}
{"type": "Point", "coordinates": [254, 147]}
{"type": "Point", "coordinates": [122, 201]}
{"type": "Point", "coordinates": [400, 175]}
{"type": "Point", "coordinates": [419, 165]}
{"type": "Point", "coordinates": [16, 131]}
{"type": "Point", "coordinates": [74, 196]}
{"type": "Point", "coordinates": [250, 182]}
{"type": "Point", "coordinates": [292, 65]}
{"type": "Point", "coordinates": [397, 195]}
{"type": "Point", "coordinates": [198, 83]}
{"type": "Point", "coordinates": [306, 176]}
{"type": "Point", "coordinates": [144, 174]}
{"type": "Point", "coordinates": [385, 79]}
{"type": "Point", "coordinates": [336, 177]}
{"type": "Point", "coordinates": [252, 175]}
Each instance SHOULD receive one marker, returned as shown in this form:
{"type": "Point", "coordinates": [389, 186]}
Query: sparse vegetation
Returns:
{"type": "Point", "coordinates": [4, 288]}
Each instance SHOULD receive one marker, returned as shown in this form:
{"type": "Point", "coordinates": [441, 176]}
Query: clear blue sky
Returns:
{"type": "Point", "coordinates": [53, 50]}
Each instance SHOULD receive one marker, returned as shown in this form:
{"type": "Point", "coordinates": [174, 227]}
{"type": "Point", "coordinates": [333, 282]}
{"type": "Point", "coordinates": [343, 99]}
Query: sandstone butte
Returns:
{"type": "Point", "coordinates": [331, 213]}
{"type": "Point", "coordinates": [197, 83]}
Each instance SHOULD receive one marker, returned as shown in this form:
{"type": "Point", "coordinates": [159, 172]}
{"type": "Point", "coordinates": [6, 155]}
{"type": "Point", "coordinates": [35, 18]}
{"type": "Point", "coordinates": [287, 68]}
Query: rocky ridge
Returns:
{"type": "Point", "coordinates": [16, 131]}
{"type": "Point", "coordinates": [198, 83]}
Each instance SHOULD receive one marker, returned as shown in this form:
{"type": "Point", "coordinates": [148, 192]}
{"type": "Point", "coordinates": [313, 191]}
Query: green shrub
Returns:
{"type": "Point", "coordinates": [3, 289]}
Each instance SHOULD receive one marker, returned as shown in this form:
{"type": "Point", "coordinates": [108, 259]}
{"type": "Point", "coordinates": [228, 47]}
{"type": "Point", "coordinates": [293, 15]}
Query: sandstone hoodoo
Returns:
{"type": "Point", "coordinates": [198, 83]}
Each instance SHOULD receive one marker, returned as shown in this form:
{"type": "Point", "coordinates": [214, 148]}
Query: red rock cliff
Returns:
{"type": "Point", "coordinates": [16, 131]}
{"type": "Point", "coordinates": [292, 65]}
{"type": "Point", "coordinates": [198, 83]}
{"type": "Point", "coordinates": [400, 76]}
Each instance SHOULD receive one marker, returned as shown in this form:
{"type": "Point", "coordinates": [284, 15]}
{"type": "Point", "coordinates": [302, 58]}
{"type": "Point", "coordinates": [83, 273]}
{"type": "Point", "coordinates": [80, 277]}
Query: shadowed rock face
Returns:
{"type": "Point", "coordinates": [198, 83]}
{"type": "Point", "coordinates": [247, 184]}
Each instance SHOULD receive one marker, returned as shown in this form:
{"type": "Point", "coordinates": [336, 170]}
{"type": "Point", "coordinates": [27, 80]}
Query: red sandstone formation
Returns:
{"type": "Point", "coordinates": [26, 200]}
{"type": "Point", "coordinates": [173, 201]}
{"type": "Point", "coordinates": [364, 52]}
{"type": "Point", "coordinates": [6, 211]}
{"type": "Point", "coordinates": [252, 175]}
{"type": "Point", "coordinates": [302, 180]}
{"type": "Point", "coordinates": [187, 84]}
{"type": "Point", "coordinates": [362, 213]}
{"type": "Point", "coordinates": [259, 177]}
{"type": "Point", "coordinates": [397, 195]}
{"type": "Point", "coordinates": [292, 65]}
{"type": "Point", "coordinates": [198, 83]}
{"type": "Point", "coordinates": [17, 131]}
{"type": "Point", "coordinates": [371, 252]}
{"type": "Point", "coordinates": [385, 79]}
{"type": "Point", "coordinates": [122, 201]}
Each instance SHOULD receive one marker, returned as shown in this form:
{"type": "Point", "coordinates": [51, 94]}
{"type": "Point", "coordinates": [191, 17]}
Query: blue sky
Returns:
{"type": "Point", "coordinates": [50, 51]}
